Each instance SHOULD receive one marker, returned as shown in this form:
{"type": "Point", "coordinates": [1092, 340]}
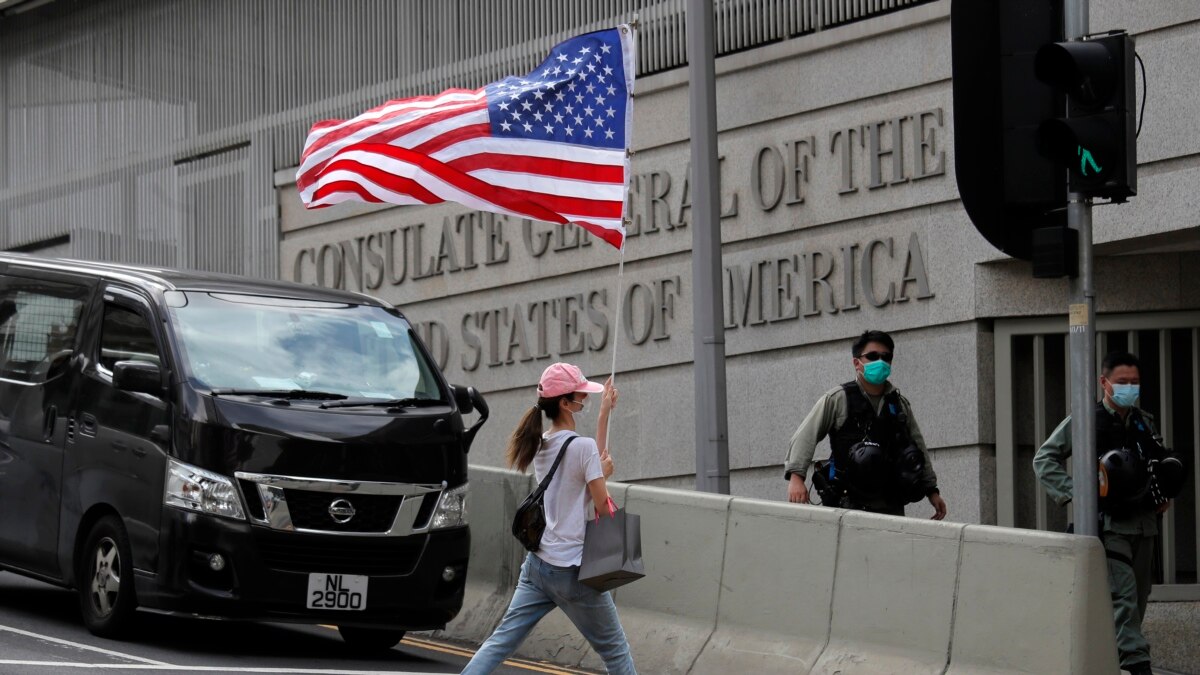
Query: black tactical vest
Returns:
{"type": "Point", "coordinates": [889, 428]}
{"type": "Point", "coordinates": [1112, 433]}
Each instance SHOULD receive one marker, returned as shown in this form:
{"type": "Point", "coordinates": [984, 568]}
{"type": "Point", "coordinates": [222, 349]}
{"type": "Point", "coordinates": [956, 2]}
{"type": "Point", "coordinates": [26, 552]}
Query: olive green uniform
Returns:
{"type": "Point", "coordinates": [1128, 543]}
{"type": "Point", "coordinates": [829, 413]}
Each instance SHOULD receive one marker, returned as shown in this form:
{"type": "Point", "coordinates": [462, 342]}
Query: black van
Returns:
{"type": "Point", "coordinates": [219, 446]}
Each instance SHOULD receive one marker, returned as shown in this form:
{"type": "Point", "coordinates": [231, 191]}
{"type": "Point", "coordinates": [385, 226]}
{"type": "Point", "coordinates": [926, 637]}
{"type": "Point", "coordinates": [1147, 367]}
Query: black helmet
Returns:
{"type": "Point", "coordinates": [1169, 475]}
{"type": "Point", "coordinates": [910, 469]}
{"type": "Point", "coordinates": [868, 468]}
{"type": "Point", "coordinates": [1123, 477]}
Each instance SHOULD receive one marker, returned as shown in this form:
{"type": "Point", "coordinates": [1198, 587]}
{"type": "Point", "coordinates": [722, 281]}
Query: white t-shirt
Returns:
{"type": "Point", "coordinates": [567, 500]}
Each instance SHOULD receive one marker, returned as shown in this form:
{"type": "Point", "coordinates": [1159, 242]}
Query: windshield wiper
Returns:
{"type": "Point", "coordinates": [384, 402]}
{"type": "Point", "coordinates": [281, 393]}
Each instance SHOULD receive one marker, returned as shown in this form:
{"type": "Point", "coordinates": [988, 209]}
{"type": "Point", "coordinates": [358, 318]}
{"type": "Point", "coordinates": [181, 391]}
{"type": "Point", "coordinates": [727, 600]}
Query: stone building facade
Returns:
{"type": "Point", "coordinates": [840, 213]}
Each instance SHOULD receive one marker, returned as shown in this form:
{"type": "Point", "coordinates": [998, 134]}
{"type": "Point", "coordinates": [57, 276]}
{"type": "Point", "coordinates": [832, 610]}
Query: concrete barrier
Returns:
{"type": "Point", "coordinates": [776, 589]}
{"type": "Point", "coordinates": [893, 596]}
{"type": "Point", "coordinates": [1023, 605]}
{"type": "Point", "coordinates": [766, 587]}
{"type": "Point", "coordinates": [670, 614]}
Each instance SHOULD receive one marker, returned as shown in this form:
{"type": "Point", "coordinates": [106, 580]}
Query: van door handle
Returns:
{"type": "Point", "coordinates": [161, 433]}
{"type": "Point", "coordinates": [121, 446]}
{"type": "Point", "coordinates": [87, 424]}
{"type": "Point", "coordinates": [51, 423]}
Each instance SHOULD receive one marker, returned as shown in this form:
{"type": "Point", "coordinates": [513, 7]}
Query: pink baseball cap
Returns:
{"type": "Point", "coordinates": [563, 378]}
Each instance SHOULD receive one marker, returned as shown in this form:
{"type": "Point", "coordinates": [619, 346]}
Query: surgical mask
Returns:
{"type": "Point", "coordinates": [582, 407]}
{"type": "Point", "coordinates": [876, 372]}
{"type": "Point", "coordinates": [1125, 395]}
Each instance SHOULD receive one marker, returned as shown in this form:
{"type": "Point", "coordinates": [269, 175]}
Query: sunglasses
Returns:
{"type": "Point", "coordinates": [875, 356]}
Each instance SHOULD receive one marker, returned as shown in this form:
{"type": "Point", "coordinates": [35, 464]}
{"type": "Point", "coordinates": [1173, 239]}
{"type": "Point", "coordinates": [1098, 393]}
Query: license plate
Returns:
{"type": "Point", "coordinates": [337, 591]}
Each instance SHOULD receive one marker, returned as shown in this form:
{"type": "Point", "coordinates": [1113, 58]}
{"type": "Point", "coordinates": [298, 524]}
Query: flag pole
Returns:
{"type": "Point", "coordinates": [633, 28]}
{"type": "Point", "coordinates": [616, 332]}
{"type": "Point", "coordinates": [620, 301]}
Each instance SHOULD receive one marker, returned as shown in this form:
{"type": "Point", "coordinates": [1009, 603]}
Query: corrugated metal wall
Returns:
{"type": "Point", "coordinates": [148, 132]}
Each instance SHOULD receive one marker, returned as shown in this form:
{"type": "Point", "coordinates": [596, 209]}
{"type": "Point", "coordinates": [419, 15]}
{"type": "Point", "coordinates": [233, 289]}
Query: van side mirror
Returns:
{"type": "Point", "coordinates": [470, 400]}
{"type": "Point", "coordinates": [481, 407]}
{"type": "Point", "coordinates": [139, 376]}
{"type": "Point", "coordinates": [462, 398]}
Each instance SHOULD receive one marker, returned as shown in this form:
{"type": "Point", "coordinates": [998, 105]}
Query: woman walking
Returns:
{"type": "Point", "coordinates": [550, 577]}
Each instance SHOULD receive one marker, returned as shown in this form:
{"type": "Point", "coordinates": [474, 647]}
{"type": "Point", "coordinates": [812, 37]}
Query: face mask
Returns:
{"type": "Point", "coordinates": [876, 372]}
{"type": "Point", "coordinates": [1125, 395]}
{"type": "Point", "coordinates": [582, 407]}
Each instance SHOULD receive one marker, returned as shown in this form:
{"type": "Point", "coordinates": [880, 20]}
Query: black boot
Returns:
{"type": "Point", "coordinates": [1142, 668]}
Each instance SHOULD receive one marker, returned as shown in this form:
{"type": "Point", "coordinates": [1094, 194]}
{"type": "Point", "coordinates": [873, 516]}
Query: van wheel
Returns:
{"type": "Point", "coordinates": [371, 639]}
{"type": "Point", "coordinates": [106, 595]}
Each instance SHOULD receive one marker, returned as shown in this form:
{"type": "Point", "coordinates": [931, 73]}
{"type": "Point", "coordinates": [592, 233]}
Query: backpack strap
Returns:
{"type": "Point", "coordinates": [546, 481]}
{"type": "Point", "coordinates": [897, 418]}
{"type": "Point", "coordinates": [860, 416]}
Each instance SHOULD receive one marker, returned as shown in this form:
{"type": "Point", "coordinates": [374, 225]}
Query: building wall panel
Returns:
{"type": "Point", "coordinates": [98, 100]}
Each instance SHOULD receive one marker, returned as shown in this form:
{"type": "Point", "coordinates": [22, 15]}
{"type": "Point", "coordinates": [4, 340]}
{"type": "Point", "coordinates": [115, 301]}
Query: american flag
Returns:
{"type": "Point", "coordinates": [550, 145]}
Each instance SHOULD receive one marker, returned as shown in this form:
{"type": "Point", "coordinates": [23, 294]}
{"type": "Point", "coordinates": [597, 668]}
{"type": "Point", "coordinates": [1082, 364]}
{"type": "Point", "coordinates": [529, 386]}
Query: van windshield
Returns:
{"type": "Point", "coordinates": [256, 343]}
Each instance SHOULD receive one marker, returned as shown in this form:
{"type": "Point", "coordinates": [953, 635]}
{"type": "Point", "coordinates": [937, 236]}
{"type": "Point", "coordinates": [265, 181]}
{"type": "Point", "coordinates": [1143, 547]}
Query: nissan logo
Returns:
{"type": "Point", "coordinates": [341, 511]}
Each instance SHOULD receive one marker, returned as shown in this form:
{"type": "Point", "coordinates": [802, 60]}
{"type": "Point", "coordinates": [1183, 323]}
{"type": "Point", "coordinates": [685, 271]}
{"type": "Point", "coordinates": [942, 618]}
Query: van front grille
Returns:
{"type": "Point", "coordinates": [253, 499]}
{"type": "Point", "coordinates": [372, 513]}
{"type": "Point", "coordinates": [371, 556]}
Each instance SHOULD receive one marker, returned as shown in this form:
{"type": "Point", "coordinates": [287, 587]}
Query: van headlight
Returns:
{"type": "Point", "coordinates": [192, 488]}
{"type": "Point", "coordinates": [451, 509]}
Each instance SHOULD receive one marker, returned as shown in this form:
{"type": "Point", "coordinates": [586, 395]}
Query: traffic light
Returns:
{"type": "Point", "coordinates": [1096, 140]}
{"type": "Point", "coordinates": [1008, 187]}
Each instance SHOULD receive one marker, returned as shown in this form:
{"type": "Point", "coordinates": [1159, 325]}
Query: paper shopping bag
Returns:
{"type": "Point", "coordinates": [612, 551]}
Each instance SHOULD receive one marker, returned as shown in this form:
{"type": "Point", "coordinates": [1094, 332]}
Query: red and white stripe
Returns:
{"type": "Point", "coordinates": [435, 149]}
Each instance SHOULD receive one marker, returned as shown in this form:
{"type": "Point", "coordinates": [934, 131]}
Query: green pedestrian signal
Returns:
{"type": "Point", "coordinates": [1085, 158]}
{"type": "Point", "coordinates": [1095, 76]}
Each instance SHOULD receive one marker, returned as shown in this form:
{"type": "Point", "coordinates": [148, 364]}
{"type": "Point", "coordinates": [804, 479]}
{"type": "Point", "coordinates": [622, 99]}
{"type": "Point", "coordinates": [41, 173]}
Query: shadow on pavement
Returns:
{"type": "Point", "coordinates": [54, 611]}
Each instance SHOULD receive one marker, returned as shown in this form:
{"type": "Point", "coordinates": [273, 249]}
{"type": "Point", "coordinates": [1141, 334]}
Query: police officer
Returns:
{"type": "Point", "coordinates": [1126, 443]}
{"type": "Point", "coordinates": [878, 461]}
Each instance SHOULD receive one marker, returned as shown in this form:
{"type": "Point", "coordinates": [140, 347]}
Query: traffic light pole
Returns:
{"type": "Point", "coordinates": [1083, 334]}
{"type": "Point", "coordinates": [1083, 373]}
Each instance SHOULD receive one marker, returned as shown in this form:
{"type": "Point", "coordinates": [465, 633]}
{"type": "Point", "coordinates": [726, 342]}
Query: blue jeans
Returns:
{"type": "Point", "coordinates": [541, 588]}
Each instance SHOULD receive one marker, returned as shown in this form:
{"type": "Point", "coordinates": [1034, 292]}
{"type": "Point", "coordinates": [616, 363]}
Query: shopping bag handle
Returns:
{"type": "Point", "coordinates": [612, 509]}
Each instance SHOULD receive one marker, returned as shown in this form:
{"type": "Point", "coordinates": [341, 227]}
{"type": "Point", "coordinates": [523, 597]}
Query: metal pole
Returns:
{"type": "Point", "coordinates": [1083, 333]}
{"type": "Point", "coordinates": [708, 334]}
{"type": "Point", "coordinates": [616, 332]}
{"type": "Point", "coordinates": [5, 237]}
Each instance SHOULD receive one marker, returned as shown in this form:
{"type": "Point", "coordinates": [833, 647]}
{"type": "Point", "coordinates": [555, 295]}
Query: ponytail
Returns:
{"type": "Point", "coordinates": [526, 439]}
